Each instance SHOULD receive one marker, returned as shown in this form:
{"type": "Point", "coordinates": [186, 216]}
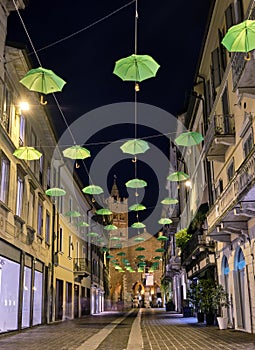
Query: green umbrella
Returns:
{"type": "Point", "coordinates": [169, 201]}
{"type": "Point", "coordinates": [140, 269]}
{"type": "Point", "coordinates": [136, 183]}
{"type": "Point", "coordinates": [92, 234]}
{"type": "Point", "coordinates": [162, 238]}
{"type": "Point", "coordinates": [240, 37]}
{"type": "Point", "coordinates": [160, 250]}
{"type": "Point", "coordinates": [138, 225]}
{"type": "Point", "coordinates": [55, 192]}
{"type": "Point", "coordinates": [137, 207]}
{"type": "Point", "coordinates": [157, 257]}
{"type": "Point", "coordinates": [114, 239]}
{"type": "Point", "coordinates": [73, 213]}
{"type": "Point", "coordinates": [140, 257]}
{"type": "Point", "coordinates": [139, 249]}
{"type": "Point", "coordinates": [141, 264]}
{"type": "Point", "coordinates": [135, 146]}
{"type": "Point", "coordinates": [27, 153]}
{"type": "Point", "coordinates": [109, 256]}
{"type": "Point", "coordinates": [136, 68]}
{"type": "Point", "coordinates": [178, 176]}
{"type": "Point", "coordinates": [92, 189]}
{"type": "Point", "coordinates": [139, 239]}
{"type": "Point", "coordinates": [42, 80]}
{"type": "Point", "coordinates": [110, 227]}
{"type": "Point", "coordinates": [104, 249]}
{"type": "Point", "coordinates": [118, 245]}
{"type": "Point", "coordinates": [76, 152]}
{"type": "Point", "coordinates": [121, 254]}
{"type": "Point", "coordinates": [83, 224]}
{"type": "Point", "coordinates": [103, 211]}
{"type": "Point", "coordinates": [189, 138]}
{"type": "Point", "coordinates": [165, 221]}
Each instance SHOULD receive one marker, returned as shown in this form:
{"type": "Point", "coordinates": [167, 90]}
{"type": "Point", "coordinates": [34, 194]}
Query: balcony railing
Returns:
{"type": "Point", "coordinates": [196, 240]}
{"type": "Point", "coordinates": [234, 190]}
{"type": "Point", "coordinates": [220, 135]}
{"type": "Point", "coordinates": [81, 266]}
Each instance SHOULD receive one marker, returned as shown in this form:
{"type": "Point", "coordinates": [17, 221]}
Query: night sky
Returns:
{"type": "Point", "coordinates": [169, 31]}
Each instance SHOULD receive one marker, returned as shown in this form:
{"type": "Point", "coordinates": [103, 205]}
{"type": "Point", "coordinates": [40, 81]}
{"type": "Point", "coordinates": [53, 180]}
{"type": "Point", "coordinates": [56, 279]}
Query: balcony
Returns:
{"type": "Point", "coordinates": [243, 74]}
{"type": "Point", "coordinates": [81, 268]}
{"type": "Point", "coordinates": [220, 135]}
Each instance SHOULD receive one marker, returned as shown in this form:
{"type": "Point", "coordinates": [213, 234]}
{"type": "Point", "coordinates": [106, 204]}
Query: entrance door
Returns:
{"type": "Point", "coordinates": [76, 301]}
{"type": "Point", "coordinates": [240, 288]}
{"type": "Point", "coordinates": [59, 299]}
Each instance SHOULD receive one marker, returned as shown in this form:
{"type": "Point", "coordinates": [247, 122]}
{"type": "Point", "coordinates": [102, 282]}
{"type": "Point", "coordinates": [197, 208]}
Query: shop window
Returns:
{"type": "Point", "coordinates": [5, 178]}
{"type": "Point", "coordinates": [37, 292]}
{"type": "Point", "coordinates": [26, 297]}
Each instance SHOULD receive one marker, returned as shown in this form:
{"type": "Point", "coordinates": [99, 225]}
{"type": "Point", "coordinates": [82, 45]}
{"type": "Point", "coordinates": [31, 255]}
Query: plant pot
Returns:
{"type": "Point", "coordinates": [200, 317]}
{"type": "Point", "coordinates": [222, 322]}
{"type": "Point", "coordinates": [209, 319]}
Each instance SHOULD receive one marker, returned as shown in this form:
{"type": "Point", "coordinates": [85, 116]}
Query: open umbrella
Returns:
{"type": "Point", "coordinates": [92, 189]}
{"type": "Point", "coordinates": [109, 256]}
{"type": "Point", "coordinates": [55, 192]}
{"type": "Point", "coordinates": [76, 152]}
{"type": "Point", "coordinates": [136, 183]}
{"type": "Point", "coordinates": [162, 238]}
{"type": "Point", "coordinates": [189, 138]}
{"type": "Point", "coordinates": [240, 37]}
{"type": "Point", "coordinates": [92, 234]}
{"type": "Point", "coordinates": [104, 249]}
{"type": "Point", "coordinates": [139, 239]}
{"type": "Point", "coordinates": [139, 249]}
{"type": "Point", "coordinates": [137, 207]}
{"type": "Point", "coordinates": [121, 254]}
{"type": "Point", "coordinates": [118, 245]}
{"type": "Point", "coordinates": [160, 250]}
{"type": "Point", "coordinates": [83, 224]}
{"type": "Point", "coordinates": [135, 146]}
{"type": "Point", "coordinates": [138, 225]}
{"type": "Point", "coordinates": [103, 211]}
{"type": "Point", "coordinates": [136, 68]}
{"type": "Point", "coordinates": [165, 221]}
{"type": "Point", "coordinates": [178, 176]}
{"type": "Point", "coordinates": [114, 239]}
{"type": "Point", "coordinates": [157, 257]}
{"type": "Point", "coordinates": [140, 257]}
{"type": "Point", "coordinates": [110, 227]}
{"type": "Point", "coordinates": [73, 213]}
{"type": "Point", "coordinates": [27, 153]}
{"type": "Point", "coordinates": [42, 80]}
{"type": "Point", "coordinates": [168, 201]}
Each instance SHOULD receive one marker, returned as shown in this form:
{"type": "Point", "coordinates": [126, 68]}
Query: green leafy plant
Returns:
{"type": "Point", "coordinates": [182, 237]}
{"type": "Point", "coordinates": [220, 299]}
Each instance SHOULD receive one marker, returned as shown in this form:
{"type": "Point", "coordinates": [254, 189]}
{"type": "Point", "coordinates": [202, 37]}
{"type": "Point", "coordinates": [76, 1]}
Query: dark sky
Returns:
{"type": "Point", "coordinates": [169, 31]}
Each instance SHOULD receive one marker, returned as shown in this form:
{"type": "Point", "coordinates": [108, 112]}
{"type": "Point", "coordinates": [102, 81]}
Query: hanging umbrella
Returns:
{"type": "Point", "coordinates": [83, 224]}
{"type": "Point", "coordinates": [73, 213]}
{"type": "Point", "coordinates": [76, 152]}
{"type": "Point", "coordinates": [138, 225]}
{"type": "Point", "coordinates": [140, 257]}
{"type": "Point", "coordinates": [114, 239]}
{"type": "Point", "coordinates": [140, 264]}
{"type": "Point", "coordinates": [137, 207]}
{"type": "Point", "coordinates": [42, 80]}
{"type": "Point", "coordinates": [240, 37]}
{"type": "Point", "coordinates": [189, 138]}
{"type": "Point", "coordinates": [162, 238]}
{"type": "Point", "coordinates": [136, 183]}
{"type": "Point", "coordinates": [139, 239]}
{"type": "Point", "coordinates": [139, 249]}
{"type": "Point", "coordinates": [160, 250]}
{"type": "Point", "coordinates": [157, 257]}
{"type": "Point", "coordinates": [118, 245]}
{"type": "Point", "coordinates": [121, 254]}
{"type": "Point", "coordinates": [27, 153]}
{"type": "Point", "coordinates": [169, 201]}
{"type": "Point", "coordinates": [165, 221]}
{"type": "Point", "coordinates": [109, 256]}
{"type": "Point", "coordinates": [110, 227]}
{"type": "Point", "coordinates": [104, 249]}
{"type": "Point", "coordinates": [178, 176]}
{"type": "Point", "coordinates": [136, 68]}
{"type": "Point", "coordinates": [55, 192]}
{"type": "Point", "coordinates": [135, 146]}
{"type": "Point", "coordinates": [140, 269]}
{"type": "Point", "coordinates": [92, 189]}
{"type": "Point", "coordinates": [92, 234]}
{"type": "Point", "coordinates": [103, 211]}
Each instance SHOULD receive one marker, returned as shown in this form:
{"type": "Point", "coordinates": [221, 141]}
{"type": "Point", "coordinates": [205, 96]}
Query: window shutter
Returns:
{"type": "Point", "coordinates": [230, 16]}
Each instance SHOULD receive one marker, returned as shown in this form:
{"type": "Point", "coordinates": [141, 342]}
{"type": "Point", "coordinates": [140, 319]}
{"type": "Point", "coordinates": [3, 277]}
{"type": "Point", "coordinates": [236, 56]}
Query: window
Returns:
{"type": "Point", "coordinates": [219, 188]}
{"type": "Point", "coordinates": [248, 144]}
{"type": "Point", "coordinates": [47, 228]}
{"type": "Point", "coordinates": [30, 213]}
{"type": "Point", "coordinates": [230, 170]}
{"type": "Point", "coordinates": [230, 16]}
{"type": "Point", "coordinates": [40, 218]}
{"type": "Point", "coordinates": [33, 144]}
{"type": "Point", "coordinates": [20, 189]}
{"type": "Point", "coordinates": [21, 130]}
{"type": "Point", "coordinates": [77, 250]}
{"type": "Point", "coordinates": [41, 170]}
{"type": "Point", "coordinates": [48, 176]}
{"type": "Point", "coordinates": [216, 68]}
{"type": "Point", "coordinates": [6, 110]}
{"type": "Point", "coordinates": [60, 240]}
{"type": "Point", "coordinates": [5, 177]}
{"type": "Point", "coordinates": [239, 11]}
{"type": "Point", "coordinates": [70, 246]}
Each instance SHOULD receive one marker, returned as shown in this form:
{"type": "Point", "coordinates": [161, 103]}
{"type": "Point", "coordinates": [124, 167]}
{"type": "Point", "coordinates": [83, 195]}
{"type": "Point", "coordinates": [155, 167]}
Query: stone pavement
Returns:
{"type": "Point", "coordinates": [148, 329]}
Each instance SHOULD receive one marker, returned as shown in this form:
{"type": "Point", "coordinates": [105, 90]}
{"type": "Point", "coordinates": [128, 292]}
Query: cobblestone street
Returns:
{"type": "Point", "coordinates": [148, 329]}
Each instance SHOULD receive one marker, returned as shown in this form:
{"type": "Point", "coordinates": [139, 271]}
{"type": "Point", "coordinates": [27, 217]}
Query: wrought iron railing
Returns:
{"type": "Point", "coordinates": [81, 265]}
{"type": "Point", "coordinates": [195, 241]}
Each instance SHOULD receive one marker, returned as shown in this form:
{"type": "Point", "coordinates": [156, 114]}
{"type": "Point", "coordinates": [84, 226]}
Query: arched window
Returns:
{"type": "Point", "coordinates": [239, 276]}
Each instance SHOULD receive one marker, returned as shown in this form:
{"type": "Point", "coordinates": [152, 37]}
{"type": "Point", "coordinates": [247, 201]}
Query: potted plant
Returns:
{"type": "Point", "coordinates": [220, 300]}
{"type": "Point", "coordinates": [194, 296]}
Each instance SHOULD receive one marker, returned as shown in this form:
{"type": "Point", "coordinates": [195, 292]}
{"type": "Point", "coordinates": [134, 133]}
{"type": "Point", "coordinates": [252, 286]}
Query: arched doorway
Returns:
{"type": "Point", "coordinates": [239, 279]}
{"type": "Point", "coordinates": [225, 281]}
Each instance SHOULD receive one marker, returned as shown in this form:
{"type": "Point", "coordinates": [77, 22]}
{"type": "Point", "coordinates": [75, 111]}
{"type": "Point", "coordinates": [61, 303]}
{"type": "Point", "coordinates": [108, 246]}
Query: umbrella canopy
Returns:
{"type": "Point", "coordinates": [136, 68]}
{"type": "Point", "coordinates": [162, 238]}
{"type": "Point", "coordinates": [104, 249]}
{"type": "Point", "coordinates": [136, 183]}
{"type": "Point", "coordinates": [92, 234]}
{"type": "Point", "coordinates": [76, 152]}
{"type": "Point", "coordinates": [160, 250]}
{"type": "Point", "coordinates": [139, 239]}
{"type": "Point", "coordinates": [27, 153]}
{"type": "Point", "coordinates": [178, 176]}
{"type": "Point", "coordinates": [109, 256]}
{"type": "Point", "coordinates": [73, 213]}
{"type": "Point", "coordinates": [157, 257]}
{"type": "Point", "coordinates": [240, 37]}
{"type": "Point", "coordinates": [103, 211]}
{"type": "Point", "coordinates": [121, 254]}
{"type": "Point", "coordinates": [165, 221]}
{"type": "Point", "coordinates": [135, 146]}
{"type": "Point", "coordinates": [139, 249]}
{"type": "Point", "coordinates": [137, 207]}
{"type": "Point", "coordinates": [55, 192]}
{"type": "Point", "coordinates": [114, 239]}
{"type": "Point", "coordinates": [92, 189]}
{"type": "Point", "coordinates": [83, 224]}
{"type": "Point", "coordinates": [110, 227]}
{"type": "Point", "coordinates": [140, 257]}
{"type": "Point", "coordinates": [189, 138]}
{"type": "Point", "coordinates": [42, 80]}
{"type": "Point", "coordinates": [169, 201]}
{"type": "Point", "coordinates": [138, 225]}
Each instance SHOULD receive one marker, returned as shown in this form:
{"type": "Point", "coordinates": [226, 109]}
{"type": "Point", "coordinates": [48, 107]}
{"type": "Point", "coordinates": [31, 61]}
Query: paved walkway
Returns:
{"type": "Point", "coordinates": [147, 329]}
